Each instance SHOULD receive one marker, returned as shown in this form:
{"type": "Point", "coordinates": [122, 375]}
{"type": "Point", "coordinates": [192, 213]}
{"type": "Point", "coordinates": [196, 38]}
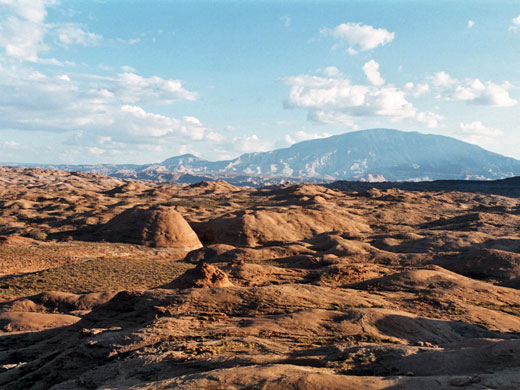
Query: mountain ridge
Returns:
{"type": "Point", "coordinates": [363, 155]}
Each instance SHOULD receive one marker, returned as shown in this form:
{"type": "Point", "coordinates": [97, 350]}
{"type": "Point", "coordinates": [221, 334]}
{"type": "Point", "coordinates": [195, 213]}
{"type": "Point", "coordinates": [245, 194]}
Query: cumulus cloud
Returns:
{"type": "Point", "coordinates": [302, 135]}
{"type": "Point", "coordinates": [515, 24]}
{"type": "Point", "coordinates": [23, 31]}
{"type": "Point", "coordinates": [472, 91]}
{"type": "Point", "coordinates": [331, 71]}
{"type": "Point", "coordinates": [72, 33]}
{"type": "Point", "coordinates": [429, 119]}
{"type": "Point", "coordinates": [139, 123]}
{"type": "Point", "coordinates": [416, 89]}
{"type": "Point", "coordinates": [127, 69]}
{"type": "Point", "coordinates": [442, 79]}
{"type": "Point", "coordinates": [22, 28]}
{"type": "Point", "coordinates": [359, 36]}
{"type": "Point", "coordinates": [477, 133]}
{"type": "Point", "coordinates": [478, 128]}
{"type": "Point", "coordinates": [338, 100]}
{"type": "Point", "coordinates": [371, 69]}
{"type": "Point", "coordinates": [133, 88]}
{"type": "Point", "coordinates": [471, 23]}
{"type": "Point", "coordinates": [97, 115]}
{"type": "Point", "coordinates": [250, 143]}
{"type": "Point", "coordinates": [331, 117]}
{"type": "Point", "coordinates": [105, 113]}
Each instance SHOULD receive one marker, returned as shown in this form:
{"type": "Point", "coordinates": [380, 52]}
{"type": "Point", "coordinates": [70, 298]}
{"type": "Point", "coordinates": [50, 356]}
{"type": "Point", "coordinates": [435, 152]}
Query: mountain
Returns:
{"type": "Point", "coordinates": [366, 155]}
{"type": "Point", "coordinates": [380, 154]}
{"type": "Point", "coordinates": [186, 162]}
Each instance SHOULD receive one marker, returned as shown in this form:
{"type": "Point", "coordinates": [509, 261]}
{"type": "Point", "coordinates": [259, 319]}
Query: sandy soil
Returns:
{"type": "Point", "coordinates": [295, 287]}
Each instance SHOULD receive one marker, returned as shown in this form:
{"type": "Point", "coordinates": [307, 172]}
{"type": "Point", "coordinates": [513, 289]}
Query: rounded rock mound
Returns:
{"type": "Point", "coordinates": [204, 275]}
{"type": "Point", "coordinates": [160, 227]}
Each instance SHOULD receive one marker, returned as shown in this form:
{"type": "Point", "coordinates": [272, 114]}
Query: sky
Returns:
{"type": "Point", "coordinates": [87, 82]}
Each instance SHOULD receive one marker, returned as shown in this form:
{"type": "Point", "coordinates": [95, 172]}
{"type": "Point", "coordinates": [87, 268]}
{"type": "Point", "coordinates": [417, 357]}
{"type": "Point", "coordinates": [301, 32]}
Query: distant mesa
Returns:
{"type": "Point", "coordinates": [161, 227]}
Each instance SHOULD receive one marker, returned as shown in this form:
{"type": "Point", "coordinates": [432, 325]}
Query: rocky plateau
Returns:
{"type": "Point", "coordinates": [112, 283]}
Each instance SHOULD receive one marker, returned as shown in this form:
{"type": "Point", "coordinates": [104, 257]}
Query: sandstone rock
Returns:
{"type": "Point", "coordinates": [204, 275]}
{"type": "Point", "coordinates": [156, 227]}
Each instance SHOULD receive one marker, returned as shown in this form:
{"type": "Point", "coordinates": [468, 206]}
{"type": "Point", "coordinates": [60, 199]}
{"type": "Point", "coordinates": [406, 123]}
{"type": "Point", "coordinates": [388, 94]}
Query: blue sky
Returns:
{"type": "Point", "coordinates": [140, 81]}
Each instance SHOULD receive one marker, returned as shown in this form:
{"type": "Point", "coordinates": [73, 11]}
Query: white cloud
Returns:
{"type": "Point", "coordinates": [477, 133]}
{"type": "Point", "coordinates": [133, 88]}
{"type": "Point", "coordinates": [214, 137]}
{"type": "Point", "coordinates": [471, 23]}
{"type": "Point", "coordinates": [331, 71]}
{"type": "Point", "coordinates": [22, 28]}
{"type": "Point", "coordinates": [63, 77]}
{"type": "Point", "coordinates": [337, 100]}
{"type": "Point", "coordinates": [472, 91]}
{"type": "Point", "coordinates": [331, 117]}
{"type": "Point", "coordinates": [12, 145]}
{"type": "Point", "coordinates": [371, 69]}
{"type": "Point", "coordinates": [106, 115]}
{"type": "Point", "coordinates": [360, 36]}
{"type": "Point", "coordinates": [95, 150]}
{"type": "Point", "coordinates": [139, 123]}
{"type": "Point", "coordinates": [127, 69]}
{"type": "Point", "coordinates": [495, 95]}
{"type": "Point", "coordinates": [31, 10]}
{"type": "Point", "coordinates": [478, 128]}
{"type": "Point", "coordinates": [23, 31]}
{"type": "Point", "coordinates": [251, 143]}
{"type": "Point", "coordinates": [75, 34]}
{"type": "Point", "coordinates": [442, 79]}
{"type": "Point", "coordinates": [106, 110]}
{"type": "Point", "coordinates": [516, 24]}
{"type": "Point", "coordinates": [416, 89]}
{"type": "Point", "coordinates": [302, 135]}
{"type": "Point", "coordinates": [429, 119]}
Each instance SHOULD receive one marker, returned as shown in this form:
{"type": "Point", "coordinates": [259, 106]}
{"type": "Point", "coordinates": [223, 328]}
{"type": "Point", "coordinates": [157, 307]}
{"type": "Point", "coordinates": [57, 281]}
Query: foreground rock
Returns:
{"type": "Point", "coordinates": [202, 276]}
{"type": "Point", "coordinates": [161, 227]}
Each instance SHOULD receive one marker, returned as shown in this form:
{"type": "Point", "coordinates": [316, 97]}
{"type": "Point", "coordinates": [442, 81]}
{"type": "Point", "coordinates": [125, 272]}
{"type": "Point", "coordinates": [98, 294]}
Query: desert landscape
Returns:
{"type": "Point", "coordinates": [276, 195]}
{"type": "Point", "coordinates": [118, 284]}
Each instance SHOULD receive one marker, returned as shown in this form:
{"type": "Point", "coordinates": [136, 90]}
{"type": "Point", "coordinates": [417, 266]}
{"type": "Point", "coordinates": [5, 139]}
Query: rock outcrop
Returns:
{"type": "Point", "coordinates": [161, 227]}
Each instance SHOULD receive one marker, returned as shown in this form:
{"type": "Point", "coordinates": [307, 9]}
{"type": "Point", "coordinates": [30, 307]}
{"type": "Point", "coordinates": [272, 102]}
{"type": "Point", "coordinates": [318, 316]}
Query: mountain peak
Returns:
{"type": "Point", "coordinates": [188, 157]}
{"type": "Point", "coordinates": [369, 155]}
{"type": "Point", "coordinates": [365, 155]}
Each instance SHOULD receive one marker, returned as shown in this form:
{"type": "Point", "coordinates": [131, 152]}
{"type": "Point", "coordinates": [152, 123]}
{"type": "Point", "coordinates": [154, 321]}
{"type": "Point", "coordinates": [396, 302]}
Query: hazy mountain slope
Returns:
{"type": "Point", "coordinates": [366, 155]}
{"type": "Point", "coordinates": [380, 153]}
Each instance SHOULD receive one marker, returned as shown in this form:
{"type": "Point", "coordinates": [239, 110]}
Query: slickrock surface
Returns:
{"type": "Point", "coordinates": [159, 227]}
{"type": "Point", "coordinates": [295, 287]}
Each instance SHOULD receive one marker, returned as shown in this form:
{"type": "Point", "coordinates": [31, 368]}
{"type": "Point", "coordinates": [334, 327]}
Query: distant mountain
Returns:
{"type": "Point", "coordinates": [366, 155]}
{"type": "Point", "coordinates": [380, 155]}
{"type": "Point", "coordinates": [186, 162]}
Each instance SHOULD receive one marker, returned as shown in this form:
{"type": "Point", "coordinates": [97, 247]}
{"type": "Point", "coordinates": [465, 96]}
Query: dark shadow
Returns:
{"type": "Point", "coordinates": [506, 187]}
